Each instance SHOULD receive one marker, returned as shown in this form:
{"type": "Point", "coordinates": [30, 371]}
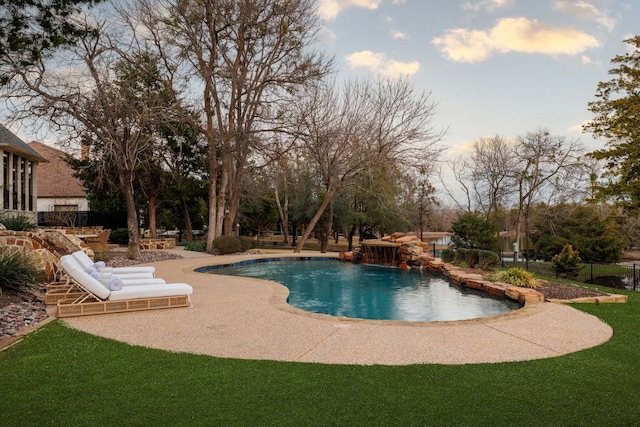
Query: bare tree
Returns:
{"type": "Point", "coordinates": [544, 163]}
{"type": "Point", "coordinates": [245, 58]}
{"type": "Point", "coordinates": [279, 170]}
{"type": "Point", "coordinates": [493, 158]}
{"type": "Point", "coordinates": [484, 174]}
{"type": "Point", "coordinates": [347, 131]}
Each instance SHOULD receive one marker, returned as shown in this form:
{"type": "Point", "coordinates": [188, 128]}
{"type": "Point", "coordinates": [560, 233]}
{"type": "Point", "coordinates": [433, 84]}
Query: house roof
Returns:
{"type": "Point", "coordinates": [10, 142]}
{"type": "Point", "coordinates": [55, 178]}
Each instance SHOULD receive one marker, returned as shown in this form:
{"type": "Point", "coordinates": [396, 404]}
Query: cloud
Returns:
{"type": "Point", "coordinates": [458, 149]}
{"type": "Point", "coordinates": [462, 45]}
{"type": "Point", "coordinates": [398, 35]}
{"type": "Point", "coordinates": [585, 10]}
{"type": "Point", "coordinates": [579, 127]}
{"type": "Point", "coordinates": [486, 5]}
{"type": "Point", "coordinates": [380, 63]}
{"type": "Point", "coordinates": [513, 35]}
{"type": "Point", "coordinates": [586, 60]}
{"type": "Point", "coordinates": [329, 9]}
{"type": "Point", "coordinates": [327, 35]}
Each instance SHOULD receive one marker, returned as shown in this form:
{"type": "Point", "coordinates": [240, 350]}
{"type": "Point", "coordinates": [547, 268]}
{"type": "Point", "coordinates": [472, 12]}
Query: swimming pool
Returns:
{"type": "Point", "coordinates": [337, 288]}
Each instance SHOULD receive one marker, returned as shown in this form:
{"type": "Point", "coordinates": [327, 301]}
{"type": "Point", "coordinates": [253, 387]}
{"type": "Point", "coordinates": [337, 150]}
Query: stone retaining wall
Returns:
{"type": "Point", "coordinates": [420, 260]}
{"type": "Point", "coordinates": [157, 244]}
{"type": "Point", "coordinates": [504, 290]}
{"type": "Point", "coordinates": [45, 256]}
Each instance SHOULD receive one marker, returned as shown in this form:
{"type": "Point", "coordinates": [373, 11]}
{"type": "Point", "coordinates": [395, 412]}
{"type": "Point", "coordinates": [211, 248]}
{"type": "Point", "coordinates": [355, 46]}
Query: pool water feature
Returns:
{"type": "Point", "coordinates": [336, 288]}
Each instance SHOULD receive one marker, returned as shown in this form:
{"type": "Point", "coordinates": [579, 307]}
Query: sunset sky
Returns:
{"type": "Point", "coordinates": [502, 67]}
{"type": "Point", "coordinates": [495, 66]}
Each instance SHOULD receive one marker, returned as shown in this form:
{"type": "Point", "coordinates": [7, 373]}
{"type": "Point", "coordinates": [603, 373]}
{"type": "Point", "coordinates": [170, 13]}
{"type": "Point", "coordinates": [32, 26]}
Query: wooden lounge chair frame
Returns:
{"type": "Point", "coordinates": [88, 303]}
{"type": "Point", "coordinates": [61, 291]}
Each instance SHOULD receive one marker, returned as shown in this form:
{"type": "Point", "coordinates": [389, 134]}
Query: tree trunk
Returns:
{"type": "Point", "coordinates": [213, 177]}
{"type": "Point", "coordinates": [153, 208]}
{"type": "Point", "coordinates": [325, 242]}
{"type": "Point", "coordinates": [283, 211]}
{"type": "Point", "coordinates": [352, 232]}
{"type": "Point", "coordinates": [233, 206]}
{"type": "Point", "coordinates": [315, 219]}
{"type": "Point", "coordinates": [294, 230]}
{"type": "Point", "coordinates": [187, 220]}
{"type": "Point", "coordinates": [126, 181]}
{"type": "Point", "coordinates": [221, 202]}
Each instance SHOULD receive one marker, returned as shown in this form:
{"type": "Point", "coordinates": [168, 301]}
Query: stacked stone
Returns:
{"type": "Point", "coordinates": [157, 244]}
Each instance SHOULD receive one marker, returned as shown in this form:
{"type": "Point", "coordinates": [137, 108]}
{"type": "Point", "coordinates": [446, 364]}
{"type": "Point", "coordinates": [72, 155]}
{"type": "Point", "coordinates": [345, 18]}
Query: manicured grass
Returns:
{"type": "Point", "coordinates": [59, 376]}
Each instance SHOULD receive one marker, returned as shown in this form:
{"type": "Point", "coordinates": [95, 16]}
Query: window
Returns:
{"type": "Point", "coordinates": [14, 186]}
{"type": "Point", "coordinates": [23, 184]}
{"type": "Point", "coordinates": [5, 178]}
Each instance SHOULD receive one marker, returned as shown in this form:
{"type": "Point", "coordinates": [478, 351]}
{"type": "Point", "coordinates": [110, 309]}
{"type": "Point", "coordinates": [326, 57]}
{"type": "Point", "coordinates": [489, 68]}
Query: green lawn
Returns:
{"type": "Point", "coordinates": [59, 376]}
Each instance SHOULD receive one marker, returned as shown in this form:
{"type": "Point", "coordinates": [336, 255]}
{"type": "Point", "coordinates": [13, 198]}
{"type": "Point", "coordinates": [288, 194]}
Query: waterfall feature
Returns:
{"type": "Point", "coordinates": [380, 252]}
{"type": "Point", "coordinates": [397, 250]}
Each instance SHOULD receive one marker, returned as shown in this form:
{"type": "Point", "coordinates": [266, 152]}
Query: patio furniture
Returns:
{"type": "Point", "coordinates": [68, 289]}
{"type": "Point", "coordinates": [98, 242]}
{"type": "Point", "coordinates": [85, 263]}
{"type": "Point", "coordinates": [96, 298]}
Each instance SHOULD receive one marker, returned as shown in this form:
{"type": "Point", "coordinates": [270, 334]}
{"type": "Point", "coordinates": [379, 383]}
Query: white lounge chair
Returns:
{"type": "Point", "coordinates": [86, 262]}
{"type": "Point", "coordinates": [97, 299]}
{"type": "Point", "coordinates": [68, 289]}
{"type": "Point", "coordinates": [135, 278]}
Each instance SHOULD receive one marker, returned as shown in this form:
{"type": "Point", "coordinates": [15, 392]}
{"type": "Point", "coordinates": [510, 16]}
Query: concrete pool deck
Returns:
{"type": "Point", "coordinates": [247, 318]}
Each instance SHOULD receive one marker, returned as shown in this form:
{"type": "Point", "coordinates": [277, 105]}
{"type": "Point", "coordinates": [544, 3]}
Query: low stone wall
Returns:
{"type": "Point", "coordinates": [157, 244]}
{"type": "Point", "coordinates": [504, 290]}
{"type": "Point", "coordinates": [412, 258]}
{"type": "Point", "coordinates": [45, 256]}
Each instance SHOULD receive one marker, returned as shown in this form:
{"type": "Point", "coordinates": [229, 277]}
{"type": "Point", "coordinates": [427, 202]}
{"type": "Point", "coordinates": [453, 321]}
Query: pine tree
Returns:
{"type": "Point", "coordinates": [617, 119]}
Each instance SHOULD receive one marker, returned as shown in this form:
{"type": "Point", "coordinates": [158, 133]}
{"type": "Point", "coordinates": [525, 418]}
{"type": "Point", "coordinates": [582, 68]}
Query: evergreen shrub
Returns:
{"type": "Point", "coordinates": [567, 263]}
{"type": "Point", "coordinates": [247, 243]}
{"type": "Point", "coordinates": [472, 257]}
{"type": "Point", "coordinates": [487, 260]}
{"type": "Point", "coordinates": [448, 255]}
{"type": "Point", "coordinates": [227, 244]}
{"type": "Point", "coordinates": [460, 256]}
{"type": "Point", "coordinates": [119, 236]}
{"type": "Point", "coordinates": [200, 246]}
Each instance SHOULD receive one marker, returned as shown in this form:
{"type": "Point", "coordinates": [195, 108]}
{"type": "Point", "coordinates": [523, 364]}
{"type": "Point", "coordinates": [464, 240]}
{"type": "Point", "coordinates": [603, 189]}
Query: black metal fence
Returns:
{"type": "Point", "coordinates": [621, 276]}
{"type": "Point", "coordinates": [111, 220]}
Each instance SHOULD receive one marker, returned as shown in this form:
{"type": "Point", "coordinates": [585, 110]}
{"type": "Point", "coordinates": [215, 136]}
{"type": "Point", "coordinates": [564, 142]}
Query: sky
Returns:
{"type": "Point", "coordinates": [503, 67]}
{"type": "Point", "coordinates": [495, 67]}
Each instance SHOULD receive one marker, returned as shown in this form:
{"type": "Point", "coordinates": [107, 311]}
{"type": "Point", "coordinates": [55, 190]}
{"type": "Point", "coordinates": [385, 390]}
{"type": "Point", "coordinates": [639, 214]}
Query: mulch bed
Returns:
{"type": "Point", "coordinates": [553, 290]}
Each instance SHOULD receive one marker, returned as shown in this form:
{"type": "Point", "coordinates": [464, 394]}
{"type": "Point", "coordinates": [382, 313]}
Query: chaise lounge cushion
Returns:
{"type": "Point", "coordinates": [105, 276]}
{"type": "Point", "coordinates": [108, 272]}
{"type": "Point", "coordinates": [84, 279]}
{"type": "Point", "coordinates": [86, 262]}
{"type": "Point", "coordinates": [151, 291]}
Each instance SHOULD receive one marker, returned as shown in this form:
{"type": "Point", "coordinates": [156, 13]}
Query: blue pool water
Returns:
{"type": "Point", "coordinates": [370, 292]}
